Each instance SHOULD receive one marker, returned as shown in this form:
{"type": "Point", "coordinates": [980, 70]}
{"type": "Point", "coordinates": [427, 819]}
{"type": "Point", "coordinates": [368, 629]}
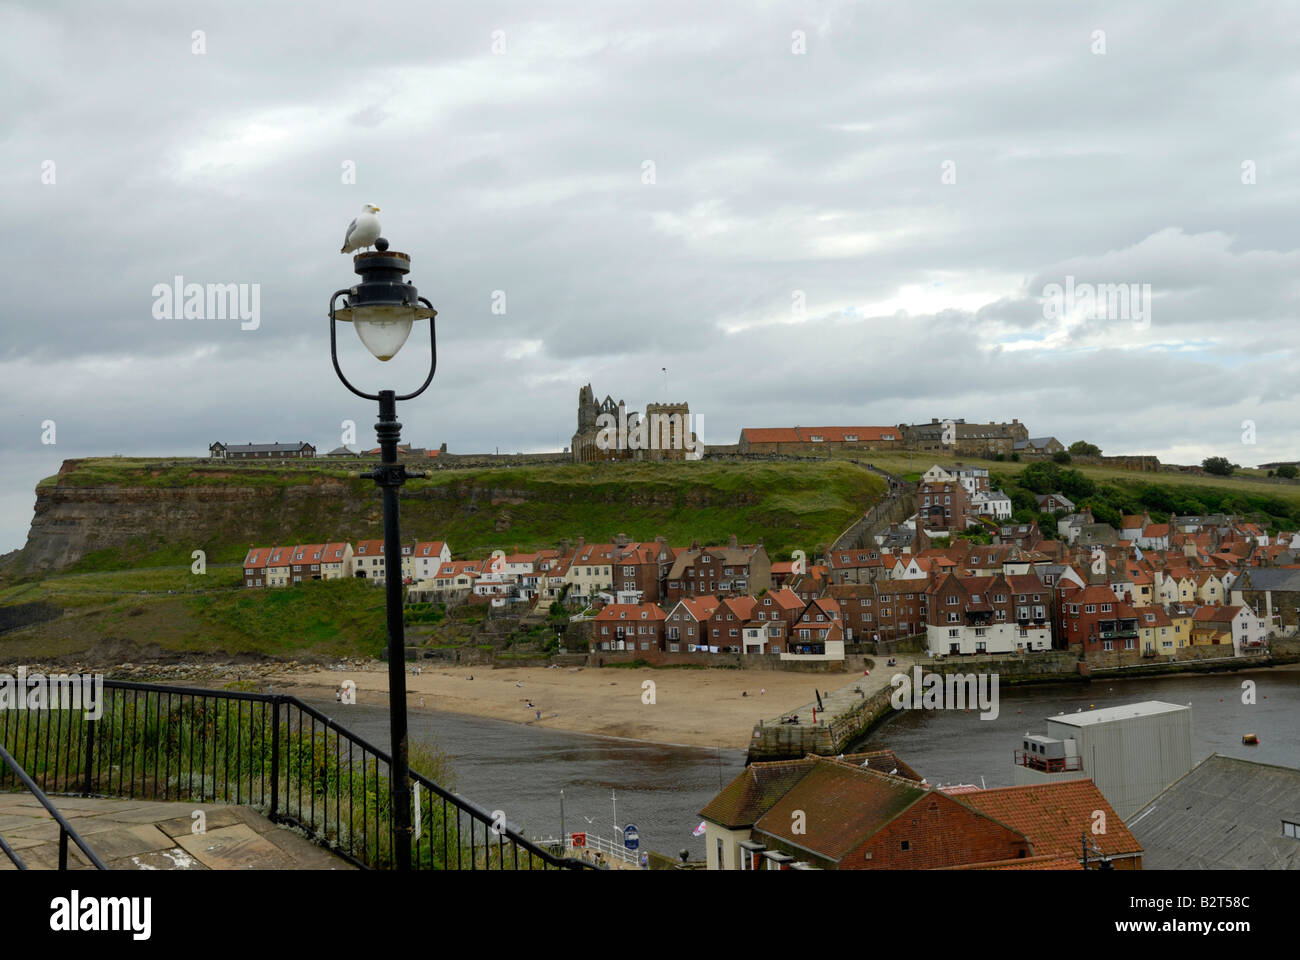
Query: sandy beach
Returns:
{"type": "Point", "coordinates": [702, 708]}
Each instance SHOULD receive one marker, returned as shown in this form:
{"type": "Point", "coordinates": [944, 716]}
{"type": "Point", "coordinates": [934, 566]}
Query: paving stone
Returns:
{"type": "Point", "coordinates": [128, 841]}
{"type": "Point", "coordinates": [146, 834]}
{"type": "Point", "coordinates": [216, 817]}
{"type": "Point", "coordinates": [236, 848]}
{"type": "Point", "coordinates": [173, 858]}
{"type": "Point", "coordinates": [306, 854]}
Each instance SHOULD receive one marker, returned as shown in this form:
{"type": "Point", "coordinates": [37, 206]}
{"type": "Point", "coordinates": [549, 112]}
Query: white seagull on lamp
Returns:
{"type": "Point", "coordinates": [363, 231]}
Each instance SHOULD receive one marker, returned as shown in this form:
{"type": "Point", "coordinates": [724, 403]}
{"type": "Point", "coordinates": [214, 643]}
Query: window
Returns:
{"type": "Point", "coordinates": [1290, 829]}
{"type": "Point", "coordinates": [906, 845]}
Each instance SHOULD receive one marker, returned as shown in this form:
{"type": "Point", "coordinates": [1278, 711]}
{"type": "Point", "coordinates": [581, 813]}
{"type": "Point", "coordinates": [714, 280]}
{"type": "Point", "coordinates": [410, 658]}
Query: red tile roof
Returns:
{"type": "Point", "coordinates": [1055, 816]}
{"type": "Point", "coordinates": [842, 806]}
{"type": "Point", "coordinates": [631, 611]}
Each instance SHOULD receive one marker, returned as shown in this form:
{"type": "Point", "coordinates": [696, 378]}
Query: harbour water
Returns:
{"type": "Point", "coordinates": [522, 769]}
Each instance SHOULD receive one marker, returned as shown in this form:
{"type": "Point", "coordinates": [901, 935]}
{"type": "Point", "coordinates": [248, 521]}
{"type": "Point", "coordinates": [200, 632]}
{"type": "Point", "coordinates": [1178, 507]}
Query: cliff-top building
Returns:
{"type": "Point", "coordinates": [609, 431]}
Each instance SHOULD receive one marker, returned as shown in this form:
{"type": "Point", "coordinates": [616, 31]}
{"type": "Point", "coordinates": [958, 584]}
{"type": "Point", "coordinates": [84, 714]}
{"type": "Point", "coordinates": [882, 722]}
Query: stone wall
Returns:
{"type": "Point", "coordinates": [1011, 667]}
{"type": "Point", "coordinates": [465, 461]}
{"type": "Point", "coordinates": [785, 741]}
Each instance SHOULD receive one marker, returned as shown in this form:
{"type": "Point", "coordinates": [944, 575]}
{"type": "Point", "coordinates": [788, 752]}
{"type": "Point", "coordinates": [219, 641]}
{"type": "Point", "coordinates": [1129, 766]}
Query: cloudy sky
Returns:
{"type": "Point", "coordinates": [807, 212]}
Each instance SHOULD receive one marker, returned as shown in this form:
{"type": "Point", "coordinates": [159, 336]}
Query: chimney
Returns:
{"type": "Point", "coordinates": [731, 541]}
{"type": "Point", "coordinates": [621, 540]}
{"type": "Point", "coordinates": [564, 546]}
{"type": "Point", "coordinates": [582, 542]}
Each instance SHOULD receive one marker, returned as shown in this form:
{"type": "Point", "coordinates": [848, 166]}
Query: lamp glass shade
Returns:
{"type": "Point", "coordinates": [383, 329]}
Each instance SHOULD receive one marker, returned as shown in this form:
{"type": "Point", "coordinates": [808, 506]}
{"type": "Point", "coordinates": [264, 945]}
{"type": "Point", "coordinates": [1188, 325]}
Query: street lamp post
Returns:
{"type": "Point", "coordinates": [382, 308]}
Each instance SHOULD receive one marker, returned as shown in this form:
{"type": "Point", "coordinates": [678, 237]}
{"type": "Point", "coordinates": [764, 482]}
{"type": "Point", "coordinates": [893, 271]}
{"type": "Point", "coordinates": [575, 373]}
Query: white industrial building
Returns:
{"type": "Point", "coordinates": [1131, 752]}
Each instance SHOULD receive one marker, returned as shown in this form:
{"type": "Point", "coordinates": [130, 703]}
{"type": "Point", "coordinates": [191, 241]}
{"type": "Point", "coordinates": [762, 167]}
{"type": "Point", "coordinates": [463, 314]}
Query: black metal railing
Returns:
{"type": "Point", "coordinates": [8, 765]}
{"type": "Point", "coordinates": [269, 751]}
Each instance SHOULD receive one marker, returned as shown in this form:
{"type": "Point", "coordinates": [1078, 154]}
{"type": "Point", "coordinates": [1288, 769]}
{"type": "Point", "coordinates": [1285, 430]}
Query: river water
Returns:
{"type": "Point", "coordinates": [521, 770]}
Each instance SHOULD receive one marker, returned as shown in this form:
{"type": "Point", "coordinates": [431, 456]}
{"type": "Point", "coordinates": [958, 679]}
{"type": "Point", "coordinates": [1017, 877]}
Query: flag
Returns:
{"type": "Point", "coordinates": [1138, 550]}
{"type": "Point", "coordinates": [699, 831]}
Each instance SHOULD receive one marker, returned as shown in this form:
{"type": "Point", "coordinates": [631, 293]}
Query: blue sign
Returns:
{"type": "Point", "coordinates": [631, 839]}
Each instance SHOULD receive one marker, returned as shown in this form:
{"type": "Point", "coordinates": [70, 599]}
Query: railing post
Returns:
{"type": "Point", "coordinates": [90, 757]}
{"type": "Point", "coordinates": [275, 757]}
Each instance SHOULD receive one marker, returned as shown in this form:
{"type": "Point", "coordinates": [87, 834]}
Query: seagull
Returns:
{"type": "Point", "coordinates": [363, 231]}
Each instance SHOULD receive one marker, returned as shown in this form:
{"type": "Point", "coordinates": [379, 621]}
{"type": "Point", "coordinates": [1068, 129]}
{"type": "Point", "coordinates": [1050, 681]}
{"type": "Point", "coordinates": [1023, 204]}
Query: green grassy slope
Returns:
{"type": "Point", "coordinates": [787, 505]}
{"type": "Point", "coordinates": [142, 594]}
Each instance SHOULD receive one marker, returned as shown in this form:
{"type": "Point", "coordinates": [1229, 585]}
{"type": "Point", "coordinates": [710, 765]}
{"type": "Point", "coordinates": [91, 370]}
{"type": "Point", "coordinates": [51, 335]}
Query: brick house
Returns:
{"type": "Point", "coordinates": [814, 441]}
{"type": "Point", "coordinates": [773, 616]}
{"type": "Point", "coordinates": [887, 610]}
{"type": "Point", "coordinates": [726, 622]}
{"type": "Point", "coordinates": [851, 817]}
{"type": "Point", "coordinates": [730, 570]}
{"type": "Point", "coordinates": [730, 816]}
{"type": "Point", "coordinates": [628, 626]}
{"type": "Point", "coordinates": [942, 505]}
{"type": "Point", "coordinates": [996, 614]}
{"type": "Point", "coordinates": [686, 624]}
{"type": "Point", "coordinates": [255, 566]}
{"type": "Point", "coordinates": [306, 562]}
{"type": "Point", "coordinates": [641, 567]}
{"type": "Point", "coordinates": [1096, 619]}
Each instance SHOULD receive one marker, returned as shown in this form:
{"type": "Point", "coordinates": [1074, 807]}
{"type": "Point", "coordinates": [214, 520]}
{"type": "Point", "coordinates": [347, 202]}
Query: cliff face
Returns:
{"type": "Point", "coordinates": [142, 516]}
{"type": "Point", "coordinates": [71, 522]}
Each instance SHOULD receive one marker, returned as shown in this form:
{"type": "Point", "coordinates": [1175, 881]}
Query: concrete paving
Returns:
{"type": "Point", "coordinates": [148, 835]}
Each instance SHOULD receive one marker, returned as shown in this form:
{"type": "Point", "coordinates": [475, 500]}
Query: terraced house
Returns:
{"type": "Point", "coordinates": [1097, 621]}
{"type": "Point", "coordinates": [628, 626]}
{"type": "Point", "coordinates": [307, 559]}
{"type": "Point", "coordinates": [368, 560]}
{"type": "Point", "coordinates": [997, 614]}
{"type": "Point", "coordinates": [730, 570]}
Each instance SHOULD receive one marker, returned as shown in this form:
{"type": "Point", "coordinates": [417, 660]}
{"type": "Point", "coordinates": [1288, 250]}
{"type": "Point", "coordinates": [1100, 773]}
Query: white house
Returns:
{"type": "Point", "coordinates": [425, 559]}
{"type": "Point", "coordinates": [992, 503]}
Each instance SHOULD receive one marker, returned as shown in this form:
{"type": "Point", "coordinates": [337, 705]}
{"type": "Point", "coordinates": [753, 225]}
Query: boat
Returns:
{"type": "Point", "coordinates": [1250, 739]}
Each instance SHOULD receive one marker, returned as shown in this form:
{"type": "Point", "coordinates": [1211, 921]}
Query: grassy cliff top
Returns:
{"type": "Point", "coordinates": [787, 505]}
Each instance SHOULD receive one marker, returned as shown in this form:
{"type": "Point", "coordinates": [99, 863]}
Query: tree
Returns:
{"type": "Point", "coordinates": [1288, 471]}
{"type": "Point", "coordinates": [1060, 456]}
{"type": "Point", "coordinates": [1081, 448]}
{"type": "Point", "coordinates": [1041, 477]}
{"type": "Point", "coordinates": [1219, 466]}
